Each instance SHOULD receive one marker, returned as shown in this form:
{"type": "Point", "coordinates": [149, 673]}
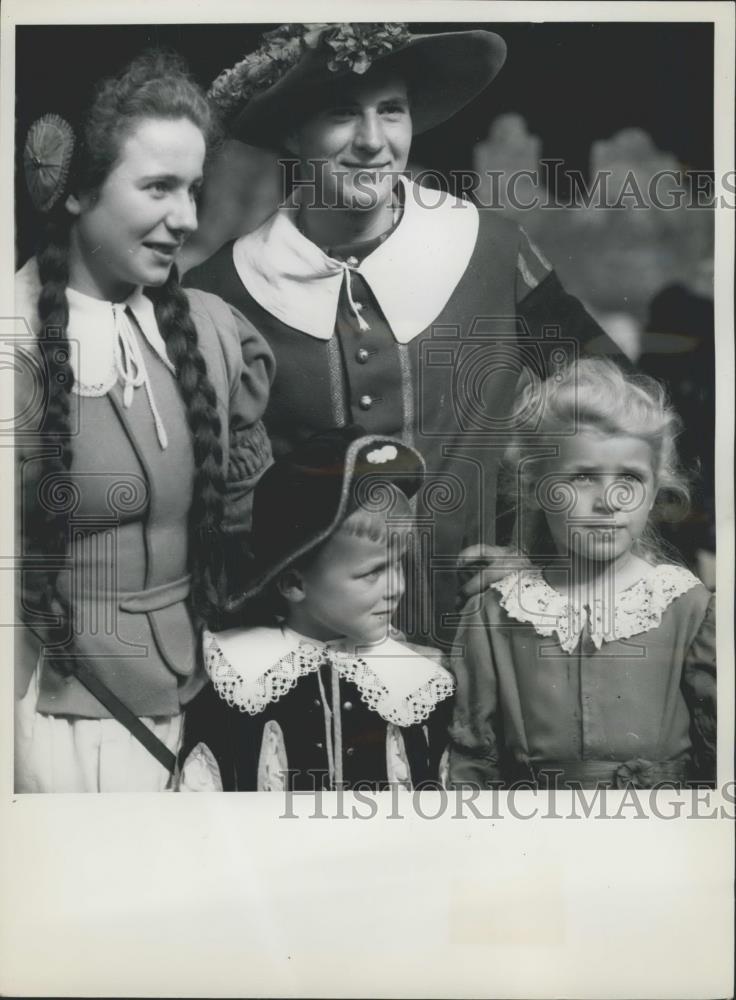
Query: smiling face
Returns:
{"type": "Point", "coordinates": [358, 143]}
{"type": "Point", "coordinates": [606, 485]}
{"type": "Point", "coordinates": [128, 232]}
{"type": "Point", "coordinates": [351, 589]}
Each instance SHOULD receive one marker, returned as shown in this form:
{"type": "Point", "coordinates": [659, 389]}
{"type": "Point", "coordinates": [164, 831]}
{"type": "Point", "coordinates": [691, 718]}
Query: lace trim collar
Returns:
{"type": "Point", "coordinates": [527, 597]}
{"type": "Point", "coordinates": [412, 273]}
{"type": "Point", "coordinates": [254, 667]}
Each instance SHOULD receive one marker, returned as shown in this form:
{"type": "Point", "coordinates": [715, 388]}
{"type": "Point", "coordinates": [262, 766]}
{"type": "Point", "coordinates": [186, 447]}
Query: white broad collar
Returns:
{"type": "Point", "coordinates": [412, 273]}
{"type": "Point", "coordinates": [93, 334]}
{"type": "Point", "coordinates": [527, 597]}
{"type": "Point", "coordinates": [254, 667]}
{"type": "Point", "coordinates": [91, 329]}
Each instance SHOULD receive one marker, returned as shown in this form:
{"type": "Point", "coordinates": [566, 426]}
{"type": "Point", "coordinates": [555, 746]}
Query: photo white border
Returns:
{"type": "Point", "coordinates": [179, 896]}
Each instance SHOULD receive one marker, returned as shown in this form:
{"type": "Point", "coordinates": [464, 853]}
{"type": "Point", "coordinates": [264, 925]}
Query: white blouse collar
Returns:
{"type": "Point", "coordinates": [93, 333]}
{"type": "Point", "coordinates": [412, 274]}
{"type": "Point", "coordinates": [527, 597]}
{"type": "Point", "coordinates": [254, 667]}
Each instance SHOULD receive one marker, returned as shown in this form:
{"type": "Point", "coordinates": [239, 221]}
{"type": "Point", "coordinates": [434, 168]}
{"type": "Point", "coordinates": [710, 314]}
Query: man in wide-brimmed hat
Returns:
{"type": "Point", "coordinates": [385, 302]}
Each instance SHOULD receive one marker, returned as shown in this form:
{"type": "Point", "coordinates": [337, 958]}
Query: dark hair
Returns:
{"type": "Point", "coordinates": [155, 85]}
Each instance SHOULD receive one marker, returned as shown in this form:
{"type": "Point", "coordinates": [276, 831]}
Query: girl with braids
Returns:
{"type": "Point", "coordinates": [147, 447]}
{"type": "Point", "coordinates": [596, 666]}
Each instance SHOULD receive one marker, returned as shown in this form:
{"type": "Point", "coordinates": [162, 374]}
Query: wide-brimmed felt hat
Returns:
{"type": "Point", "coordinates": [304, 497]}
{"type": "Point", "coordinates": [267, 92]}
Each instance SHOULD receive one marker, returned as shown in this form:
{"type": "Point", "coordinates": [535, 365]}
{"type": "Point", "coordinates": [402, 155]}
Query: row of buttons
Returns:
{"type": "Point", "coordinates": [347, 705]}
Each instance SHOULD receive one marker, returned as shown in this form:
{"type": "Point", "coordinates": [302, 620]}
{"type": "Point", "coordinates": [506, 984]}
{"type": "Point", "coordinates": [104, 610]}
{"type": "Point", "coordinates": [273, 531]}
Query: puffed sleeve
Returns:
{"type": "Point", "coordinates": [699, 690]}
{"type": "Point", "coordinates": [249, 445]}
{"type": "Point", "coordinates": [473, 758]}
{"type": "Point", "coordinates": [233, 347]}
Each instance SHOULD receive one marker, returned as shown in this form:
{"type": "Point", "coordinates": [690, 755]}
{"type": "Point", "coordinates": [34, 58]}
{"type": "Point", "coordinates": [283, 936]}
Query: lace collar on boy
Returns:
{"type": "Point", "coordinates": [527, 597]}
{"type": "Point", "coordinates": [412, 274]}
{"type": "Point", "coordinates": [252, 668]}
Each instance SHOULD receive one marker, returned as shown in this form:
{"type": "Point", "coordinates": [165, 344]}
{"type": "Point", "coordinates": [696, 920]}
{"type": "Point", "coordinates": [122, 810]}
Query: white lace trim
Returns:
{"type": "Point", "coordinates": [527, 597]}
{"type": "Point", "coordinates": [412, 708]}
{"type": "Point", "coordinates": [250, 688]}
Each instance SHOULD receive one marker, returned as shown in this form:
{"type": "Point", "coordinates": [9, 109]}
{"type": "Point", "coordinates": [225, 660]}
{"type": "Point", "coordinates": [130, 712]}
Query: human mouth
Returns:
{"type": "Point", "coordinates": [385, 615]}
{"type": "Point", "coordinates": [165, 252]}
{"type": "Point", "coordinates": [369, 168]}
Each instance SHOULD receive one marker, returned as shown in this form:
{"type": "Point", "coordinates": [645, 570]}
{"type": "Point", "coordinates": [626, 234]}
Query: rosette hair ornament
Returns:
{"type": "Point", "coordinates": [47, 158]}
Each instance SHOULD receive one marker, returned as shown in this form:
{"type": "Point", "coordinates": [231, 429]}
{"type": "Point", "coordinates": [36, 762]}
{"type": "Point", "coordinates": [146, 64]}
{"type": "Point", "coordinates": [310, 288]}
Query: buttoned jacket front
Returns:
{"type": "Point", "coordinates": [423, 334]}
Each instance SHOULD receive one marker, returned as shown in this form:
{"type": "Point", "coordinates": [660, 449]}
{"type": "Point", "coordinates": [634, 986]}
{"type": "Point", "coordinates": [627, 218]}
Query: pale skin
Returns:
{"type": "Point", "coordinates": [129, 232]}
{"type": "Point", "coordinates": [599, 469]}
{"type": "Point", "coordinates": [613, 482]}
{"type": "Point", "coordinates": [356, 146]}
{"type": "Point", "coordinates": [350, 589]}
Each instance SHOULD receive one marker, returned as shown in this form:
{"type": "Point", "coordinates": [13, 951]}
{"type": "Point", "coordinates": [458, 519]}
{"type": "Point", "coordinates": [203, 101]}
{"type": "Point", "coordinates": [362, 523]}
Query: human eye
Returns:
{"type": "Point", "coordinates": [158, 187]}
{"type": "Point", "coordinates": [341, 112]}
{"type": "Point", "coordinates": [581, 477]}
{"type": "Point", "coordinates": [371, 574]}
{"type": "Point", "coordinates": [393, 109]}
{"type": "Point", "coordinates": [630, 477]}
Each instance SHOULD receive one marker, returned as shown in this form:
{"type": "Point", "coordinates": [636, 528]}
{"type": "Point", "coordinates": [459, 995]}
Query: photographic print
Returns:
{"type": "Point", "coordinates": [371, 446]}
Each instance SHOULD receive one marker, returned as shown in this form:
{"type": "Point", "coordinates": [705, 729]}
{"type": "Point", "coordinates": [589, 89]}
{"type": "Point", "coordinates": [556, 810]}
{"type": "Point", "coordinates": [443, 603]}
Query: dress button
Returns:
{"type": "Point", "coordinates": [320, 746]}
{"type": "Point", "coordinates": [352, 262]}
{"type": "Point", "coordinates": [317, 703]}
{"type": "Point", "coordinates": [358, 306]}
{"type": "Point", "coordinates": [366, 402]}
{"type": "Point", "coordinates": [347, 705]}
{"type": "Point", "coordinates": [362, 355]}
{"type": "Point", "coordinates": [350, 751]}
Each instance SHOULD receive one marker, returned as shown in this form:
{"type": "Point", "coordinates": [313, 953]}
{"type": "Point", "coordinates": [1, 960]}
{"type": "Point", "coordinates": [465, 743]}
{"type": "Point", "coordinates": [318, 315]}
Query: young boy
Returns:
{"type": "Point", "coordinates": [320, 692]}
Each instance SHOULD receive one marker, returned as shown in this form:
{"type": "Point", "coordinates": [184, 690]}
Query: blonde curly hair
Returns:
{"type": "Point", "coordinates": [593, 394]}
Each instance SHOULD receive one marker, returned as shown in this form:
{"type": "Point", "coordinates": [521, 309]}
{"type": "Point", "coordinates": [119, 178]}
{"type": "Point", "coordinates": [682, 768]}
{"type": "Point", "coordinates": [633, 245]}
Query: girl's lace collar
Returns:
{"type": "Point", "coordinates": [527, 597]}
{"type": "Point", "coordinates": [253, 667]}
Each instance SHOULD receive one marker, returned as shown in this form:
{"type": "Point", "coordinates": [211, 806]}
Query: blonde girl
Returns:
{"type": "Point", "coordinates": [594, 666]}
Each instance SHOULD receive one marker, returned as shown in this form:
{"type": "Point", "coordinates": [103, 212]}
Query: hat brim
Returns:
{"type": "Point", "coordinates": [443, 73]}
{"type": "Point", "coordinates": [407, 479]}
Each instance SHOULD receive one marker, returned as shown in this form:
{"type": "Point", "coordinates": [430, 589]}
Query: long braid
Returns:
{"type": "Point", "coordinates": [205, 517]}
{"type": "Point", "coordinates": [155, 85]}
{"type": "Point", "coordinates": [48, 534]}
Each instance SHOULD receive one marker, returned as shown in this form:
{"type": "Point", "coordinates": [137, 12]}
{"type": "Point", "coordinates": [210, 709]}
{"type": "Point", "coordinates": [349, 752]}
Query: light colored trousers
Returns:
{"type": "Point", "coordinates": [57, 753]}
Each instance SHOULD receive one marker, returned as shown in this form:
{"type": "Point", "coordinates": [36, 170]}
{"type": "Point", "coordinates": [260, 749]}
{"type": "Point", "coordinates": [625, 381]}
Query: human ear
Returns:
{"type": "Point", "coordinates": [73, 205]}
{"type": "Point", "coordinates": [291, 586]}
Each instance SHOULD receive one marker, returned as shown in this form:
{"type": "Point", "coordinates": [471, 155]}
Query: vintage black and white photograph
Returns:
{"type": "Point", "coordinates": [372, 447]}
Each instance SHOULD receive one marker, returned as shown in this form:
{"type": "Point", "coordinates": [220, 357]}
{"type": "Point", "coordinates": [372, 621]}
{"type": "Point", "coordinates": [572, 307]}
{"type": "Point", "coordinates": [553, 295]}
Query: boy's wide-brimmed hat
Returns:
{"type": "Point", "coordinates": [303, 498]}
{"type": "Point", "coordinates": [271, 88]}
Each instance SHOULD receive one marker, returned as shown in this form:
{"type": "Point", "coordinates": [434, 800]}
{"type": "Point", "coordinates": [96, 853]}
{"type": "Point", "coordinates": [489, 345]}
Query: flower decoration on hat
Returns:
{"type": "Point", "coordinates": [47, 158]}
{"type": "Point", "coordinates": [351, 47]}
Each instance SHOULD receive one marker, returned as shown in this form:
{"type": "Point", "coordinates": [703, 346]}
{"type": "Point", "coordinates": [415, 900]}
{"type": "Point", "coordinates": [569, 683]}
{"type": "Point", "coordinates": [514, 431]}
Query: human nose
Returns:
{"type": "Point", "coordinates": [607, 498]}
{"type": "Point", "coordinates": [395, 583]}
{"type": "Point", "coordinates": [369, 135]}
{"type": "Point", "coordinates": [182, 214]}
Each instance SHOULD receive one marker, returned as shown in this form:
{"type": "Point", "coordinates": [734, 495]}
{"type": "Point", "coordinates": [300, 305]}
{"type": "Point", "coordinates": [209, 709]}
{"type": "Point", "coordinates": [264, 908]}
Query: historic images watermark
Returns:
{"type": "Point", "coordinates": [520, 190]}
{"type": "Point", "coordinates": [518, 801]}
